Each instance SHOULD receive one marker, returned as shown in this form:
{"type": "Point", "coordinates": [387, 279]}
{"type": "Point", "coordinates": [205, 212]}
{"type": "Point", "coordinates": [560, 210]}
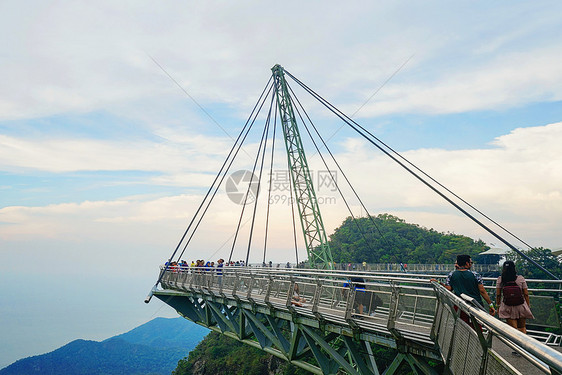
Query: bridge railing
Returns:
{"type": "Point", "coordinates": [544, 295]}
{"type": "Point", "coordinates": [254, 282]}
{"type": "Point", "coordinates": [398, 308]}
{"type": "Point", "coordinates": [409, 267]}
{"type": "Point", "coordinates": [402, 308]}
{"type": "Point", "coordinates": [477, 347]}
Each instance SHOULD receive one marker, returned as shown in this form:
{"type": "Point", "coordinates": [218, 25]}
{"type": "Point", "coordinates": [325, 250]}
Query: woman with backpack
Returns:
{"type": "Point", "coordinates": [512, 297]}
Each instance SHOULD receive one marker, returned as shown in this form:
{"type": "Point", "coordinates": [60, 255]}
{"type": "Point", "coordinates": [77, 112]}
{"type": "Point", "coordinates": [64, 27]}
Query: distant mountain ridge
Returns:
{"type": "Point", "coordinates": [152, 348]}
{"type": "Point", "coordinates": [165, 332]}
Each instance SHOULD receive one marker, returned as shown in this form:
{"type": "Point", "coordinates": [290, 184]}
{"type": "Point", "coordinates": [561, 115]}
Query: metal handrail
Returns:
{"type": "Point", "coordinates": [543, 352]}
{"type": "Point", "coordinates": [374, 275]}
{"type": "Point", "coordinates": [329, 279]}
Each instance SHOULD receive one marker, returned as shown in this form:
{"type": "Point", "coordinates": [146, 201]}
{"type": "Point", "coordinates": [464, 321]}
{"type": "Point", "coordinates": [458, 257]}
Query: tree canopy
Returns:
{"type": "Point", "coordinates": [542, 256]}
{"type": "Point", "coordinates": [221, 355]}
{"type": "Point", "coordinates": [389, 239]}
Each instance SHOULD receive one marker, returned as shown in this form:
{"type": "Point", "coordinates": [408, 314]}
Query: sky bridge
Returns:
{"type": "Point", "coordinates": [329, 319]}
{"type": "Point", "coordinates": [328, 333]}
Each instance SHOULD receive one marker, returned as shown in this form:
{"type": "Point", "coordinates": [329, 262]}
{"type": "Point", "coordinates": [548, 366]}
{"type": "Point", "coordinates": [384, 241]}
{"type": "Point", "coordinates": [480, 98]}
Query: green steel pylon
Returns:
{"type": "Point", "coordinates": [319, 254]}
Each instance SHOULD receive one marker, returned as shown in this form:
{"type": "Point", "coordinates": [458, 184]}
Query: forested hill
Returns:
{"type": "Point", "coordinates": [220, 355]}
{"type": "Point", "coordinates": [389, 239]}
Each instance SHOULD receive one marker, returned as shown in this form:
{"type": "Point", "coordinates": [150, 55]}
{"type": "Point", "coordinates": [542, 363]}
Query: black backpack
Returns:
{"type": "Point", "coordinates": [358, 282]}
{"type": "Point", "coordinates": [512, 294]}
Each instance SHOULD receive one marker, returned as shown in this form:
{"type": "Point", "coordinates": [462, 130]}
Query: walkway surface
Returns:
{"type": "Point", "coordinates": [399, 308]}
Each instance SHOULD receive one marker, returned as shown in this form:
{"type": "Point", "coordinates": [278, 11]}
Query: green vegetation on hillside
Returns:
{"type": "Point", "coordinates": [389, 239]}
{"type": "Point", "coordinates": [221, 355]}
{"type": "Point", "coordinates": [542, 256]}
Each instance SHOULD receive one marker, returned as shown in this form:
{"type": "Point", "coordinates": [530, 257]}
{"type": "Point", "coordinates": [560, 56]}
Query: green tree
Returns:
{"type": "Point", "coordinates": [389, 239]}
{"type": "Point", "coordinates": [542, 256]}
{"type": "Point", "coordinates": [221, 355]}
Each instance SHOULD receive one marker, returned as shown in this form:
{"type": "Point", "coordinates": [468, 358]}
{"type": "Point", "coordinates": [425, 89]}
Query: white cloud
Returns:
{"type": "Point", "coordinates": [65, 60]}
{"type": "Point", "coordinates": [507, 81]}
{"type": "Point", "coordinates": [83, 57]}
{"type": "Point", "coordinates": [68, 155]}
{"type": "Point", "coordinates": [515, 182]}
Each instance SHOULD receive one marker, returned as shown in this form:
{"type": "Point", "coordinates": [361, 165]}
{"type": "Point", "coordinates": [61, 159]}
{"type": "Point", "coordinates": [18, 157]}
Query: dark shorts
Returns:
{"type": "Point", "coordinates": [362, 298]}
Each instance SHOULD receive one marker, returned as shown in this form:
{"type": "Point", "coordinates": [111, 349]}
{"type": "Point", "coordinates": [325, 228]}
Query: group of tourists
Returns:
{"type": "Point", "coordinates": [201, 265]}
{"type": "Point", "coordinates": [512, 293]}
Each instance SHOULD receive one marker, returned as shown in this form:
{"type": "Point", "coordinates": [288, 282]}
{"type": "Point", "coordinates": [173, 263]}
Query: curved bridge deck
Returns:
{"type": "Point", "coordinates": [328, 331]}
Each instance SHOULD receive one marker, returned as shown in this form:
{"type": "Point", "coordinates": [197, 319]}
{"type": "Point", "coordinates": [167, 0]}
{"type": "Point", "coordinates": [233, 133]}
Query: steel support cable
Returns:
{"type": "Point", "coordinates": [327, 168]}
{"type": "Point", "coordinates": [365, 134]}
{"type": "Point", "coordinates": [425, 174]}
{"type": "Point", "coordinates": [339, 190]}
{"type": "Point", "coordinates": [268, 122]}
{"type": "Point", "coordinates": [210, 189]}
{"type": "Point", "coordinates": [247, 194]}
{"type": "Point", "coordinates": [214, 184]}
{"type": "Point", "coordinates": [448, 190]}
{"type": "Point", "coordinates": [209, 202]}
{"type": "Point", "coordinates": [344, 117]}
{"type": "Point", "coordinates": [339, 167]}
{"type": "Point", "coordinates": [224, 174]}
{"type": "Point", "coordinates": [270, 185]}
{"type": "Point", "coordinates": [293, 202]}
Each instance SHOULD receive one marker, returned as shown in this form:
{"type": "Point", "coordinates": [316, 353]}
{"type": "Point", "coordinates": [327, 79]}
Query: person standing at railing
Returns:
{"type": "Point", "coordinates": [183, 266]}
{"type": "Point", "coordinates": [512, 297]}
{"type": "Point", "coordinates": [220, 265]}
{"type": "Point", "coordinates": [361, 299]}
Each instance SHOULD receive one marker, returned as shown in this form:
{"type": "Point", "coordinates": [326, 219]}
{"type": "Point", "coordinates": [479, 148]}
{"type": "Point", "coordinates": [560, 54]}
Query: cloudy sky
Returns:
{"type": "Point", "coordinates": [115, 117]}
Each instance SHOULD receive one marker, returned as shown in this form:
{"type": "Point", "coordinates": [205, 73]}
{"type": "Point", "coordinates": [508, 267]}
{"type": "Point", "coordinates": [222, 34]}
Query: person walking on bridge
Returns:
{"type": "Point", "coordinates": [465, 281]}
{"type": "Point", "coordinates": [514, 307]}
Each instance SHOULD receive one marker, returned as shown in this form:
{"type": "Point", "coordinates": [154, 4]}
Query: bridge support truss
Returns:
{"type": "Point", "coordinates": [256, 309]}
{"type": "Point", "coordinates": [304, 345]}
{"type": "Point", "coordinates": [316, 240]}
{"type": "Point", "coordinates": [329, 334]}
{"type": "Point", "coordinates": [305, 342]}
